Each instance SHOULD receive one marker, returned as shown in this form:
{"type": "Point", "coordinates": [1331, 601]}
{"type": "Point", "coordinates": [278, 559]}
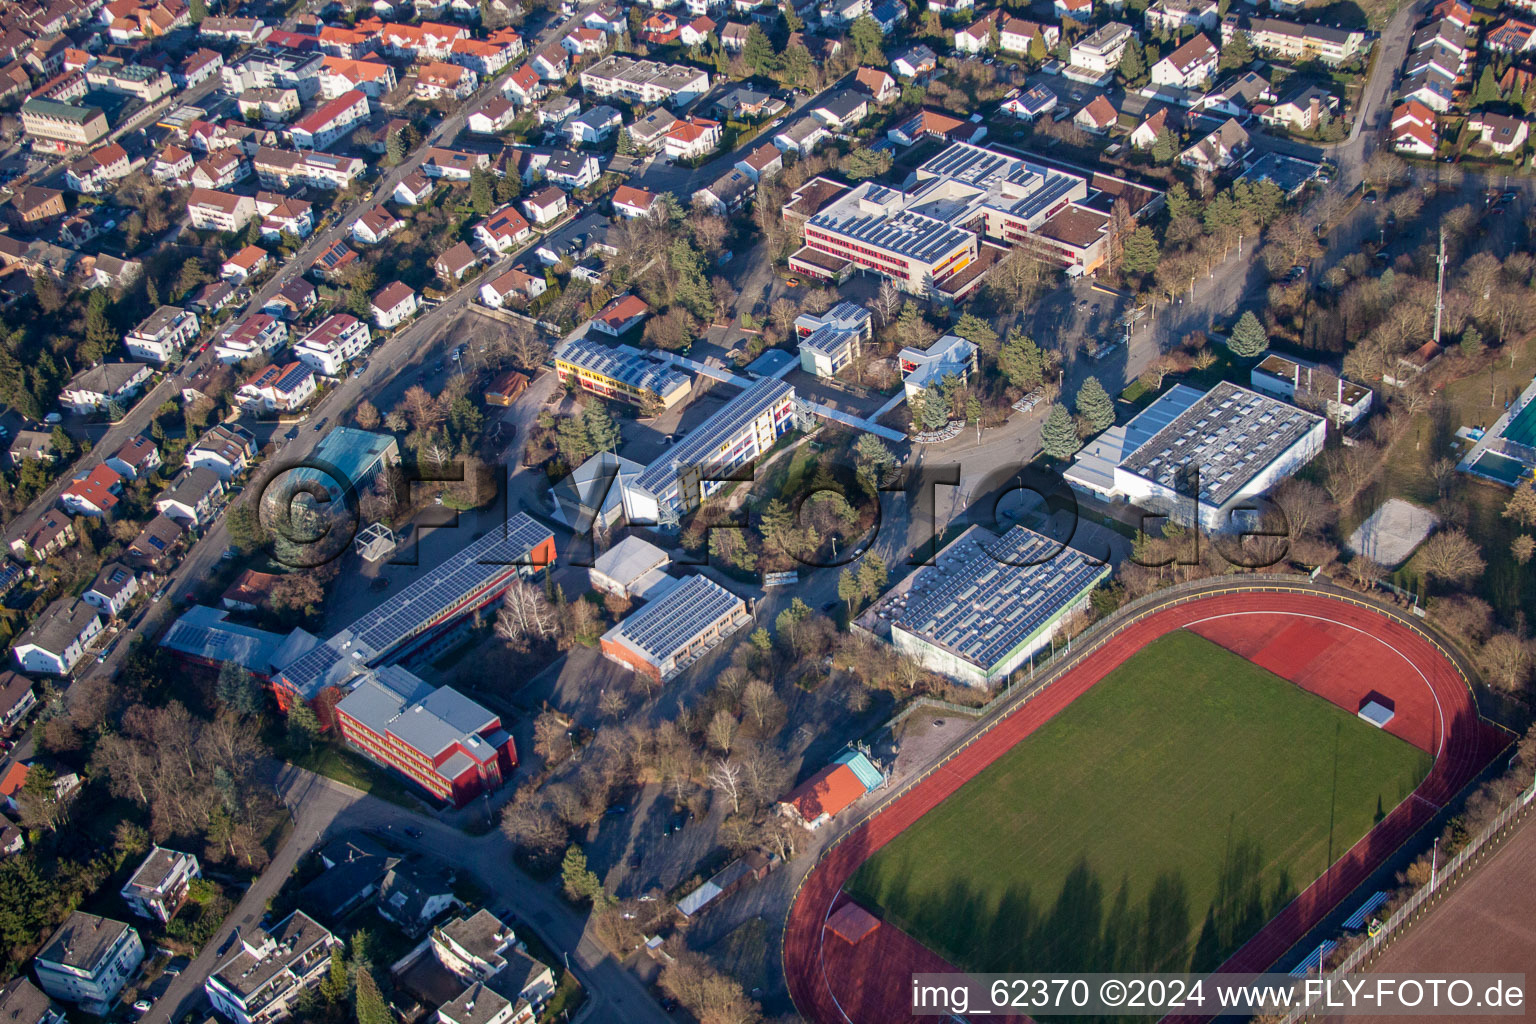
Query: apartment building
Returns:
{"type": "Point", "coordinates": [159, 886]}
{"type": "Point", "coordinates": [332, 120]}
{"type": "Point", "coordinates": [210, 210]}
{"type": "Point", "coordinates": [261, 978]}
{"type": "Point", "coordinates": [1293, 41]}
{"type": "Point", "coordinates": [275, 68]}
{"type": "Point", "coordinates": [62, 125]}
{"type": "Point", "coordinates": [88, 960]}
{"type": "Point", "coordinates": [332, 343]}
{"type": "Point", "coordinates": [255, 335]}
{"type": "Point", "coordinates": [281, 169]}
{"type": "Point", "coordinates": [162, 334]}
{"type": "Point", "coordinates": [644, 81]}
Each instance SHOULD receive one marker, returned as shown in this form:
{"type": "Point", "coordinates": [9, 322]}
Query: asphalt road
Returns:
{"type": "Point", "coordinates": [325, 808]}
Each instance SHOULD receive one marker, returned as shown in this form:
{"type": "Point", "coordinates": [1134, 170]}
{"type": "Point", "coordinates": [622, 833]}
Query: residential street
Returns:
{"type": "Point", "coordinates": [327, 808]}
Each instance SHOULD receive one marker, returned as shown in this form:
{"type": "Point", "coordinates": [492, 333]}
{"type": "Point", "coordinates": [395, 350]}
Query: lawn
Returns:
{"type": "Point", "coordinates": [1154, 824]}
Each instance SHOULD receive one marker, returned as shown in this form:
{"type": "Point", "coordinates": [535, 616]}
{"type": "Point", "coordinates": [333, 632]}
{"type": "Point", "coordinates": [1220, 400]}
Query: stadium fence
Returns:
{"type": "Point", "coordinates": [1420, 902]}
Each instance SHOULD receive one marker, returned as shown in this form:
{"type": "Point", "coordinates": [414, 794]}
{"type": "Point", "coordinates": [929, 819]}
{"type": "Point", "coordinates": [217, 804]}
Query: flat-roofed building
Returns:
{"type": "Point", "coordinates": [159, 886]}
{"type": "Point", "coordinates": [644, 81]}
{"type": "Point", "coordinates": [88, 961]}
{"type": "Point", "coordinates": [1312, 387]}
{"type": "Point", "coordinates": [1229, 447]}
{"type": "Point", "coordinates": [621, 372]}
{"type": "Point", "coordinates": [927, 240]}
{"type": "Point", "coordinates": [262, 977]}
{"type": "Point", "coordinates": [438, 738]}
{"type": "Point", "coordinates": [832, 340]}
{"type": "Point", "coordinates": [986, 604]}
{"type": "Point", "coordinates": [700, 464]}
{"type": "Point", "coordinates": [676, 629]}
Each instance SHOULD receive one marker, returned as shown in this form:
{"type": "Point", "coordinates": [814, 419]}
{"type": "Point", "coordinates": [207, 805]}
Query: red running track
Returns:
{"type": "Point", "coordinates": [1336, 648]}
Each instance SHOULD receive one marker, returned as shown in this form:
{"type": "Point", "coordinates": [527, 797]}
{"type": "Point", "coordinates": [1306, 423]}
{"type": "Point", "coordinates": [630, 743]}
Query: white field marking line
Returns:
{"type": "Point", "coordinates": [1439, 711]}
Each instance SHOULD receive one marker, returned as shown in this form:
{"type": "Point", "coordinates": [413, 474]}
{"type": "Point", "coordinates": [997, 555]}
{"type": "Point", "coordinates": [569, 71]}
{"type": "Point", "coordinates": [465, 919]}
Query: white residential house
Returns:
{"type": "Point", "coordinates": [103, 385]}
{"type": "Point", "coordinates": [1191, 66]}
{"type": "Point", "coordinates": [263, 975]}
{"type": "Point", "coordinates": [163, 334]}
{"type": "Point", "coordinates": [546, 206]}
{"type": "Point", "coordinates": [278, 388]}
{"type": "Point", "coordinates": [1219, 150]}
{"type": "Point", "coordinates": [257, 334]}
{"type": "Point", "coordinates": [113, 588]}
{"type": "Point", "coordinates": [393, 304]}
{"type": "Point", "coordinates": [332, 343]}
{"type": "Point", "coordinates": [692, 137]}
{"type": "Point", "coordinates": [88, 961]}
{"type": "Point", "coordinates": [1172, 16]}
{"type": "Point", "coordinates": [515, 283]}
{"type": "Point", "coordinates": [56, 640]}
{"type": "Point", "coordinates": [192, 497]}
{"type": "Point", "coordinates": [495, 117]}
{"type": "Point", "coordinates": [1500, 133]}
{"type": "Point", "coordinates": [159, 886]}
{"type": "Point", "coordinates": [413, 189]}
{"type": "Point", "coordinates": [137, 457]}
{"type": "Point", "coordinates": [375, 226]}
{"type": "Point", "coordinates": [504, 230]}
{"type": "Point", "coordinates": [227, 449]}
{"type": "Point", "coordinates": [592, 126]}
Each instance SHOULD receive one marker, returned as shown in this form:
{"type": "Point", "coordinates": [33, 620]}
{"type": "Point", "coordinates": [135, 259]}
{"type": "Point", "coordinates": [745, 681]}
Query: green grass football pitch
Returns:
{"type": "Point", "coordinates": [1156, 823]}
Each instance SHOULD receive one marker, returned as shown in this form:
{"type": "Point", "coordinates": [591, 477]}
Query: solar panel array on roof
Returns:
{"type": "Point", "coordinates": [661, 628]}
{"type": "Point", "coordinates": [1228, 436]}
{"type": "Point", "coordinates": [467, 576]}
{"type": "Point", "coordinates": [625, 364]}
{"type": "Point", "coordinates": [984, 595]}
{"type": "Point", "coordinates": [700, 446]}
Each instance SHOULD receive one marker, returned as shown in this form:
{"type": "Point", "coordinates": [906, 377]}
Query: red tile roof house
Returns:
{"type": "Point", "coordinates": [94, 494]}
{"type": "Point", "coordinates": [621, 315]}
{"type": "Point", "coordinates": [630, 202]}
{"type": "Point", "coordinates": [503, 230]}
{"type": "Point", "coordinates": [513, 284]}
{"type": "Point", "coordinates": [278, 388]}
{"type": "Point", "coordinates": [456, 262]}
{"type": "Point", "coordinates": [393, 304]}
{"type": "Point", "coordinates": [244, 264]}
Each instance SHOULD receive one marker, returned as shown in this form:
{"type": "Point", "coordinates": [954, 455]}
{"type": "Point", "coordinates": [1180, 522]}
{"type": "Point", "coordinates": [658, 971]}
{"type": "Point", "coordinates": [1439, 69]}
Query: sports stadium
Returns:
{"type": "Point", "coordinates": [1203, 782]}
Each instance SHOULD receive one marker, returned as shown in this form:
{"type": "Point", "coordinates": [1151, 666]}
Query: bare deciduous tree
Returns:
{"type": "Point", "coordinates": [721, 732]}
{"type": "Point", "coordinates": [526, 617]}
{"type": "Point", "coordinates": [725, 776]}
{"type": "Point", "coordinates": [1505, 660]}
{"type": "Point", "coordinates": [1451, 557]}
